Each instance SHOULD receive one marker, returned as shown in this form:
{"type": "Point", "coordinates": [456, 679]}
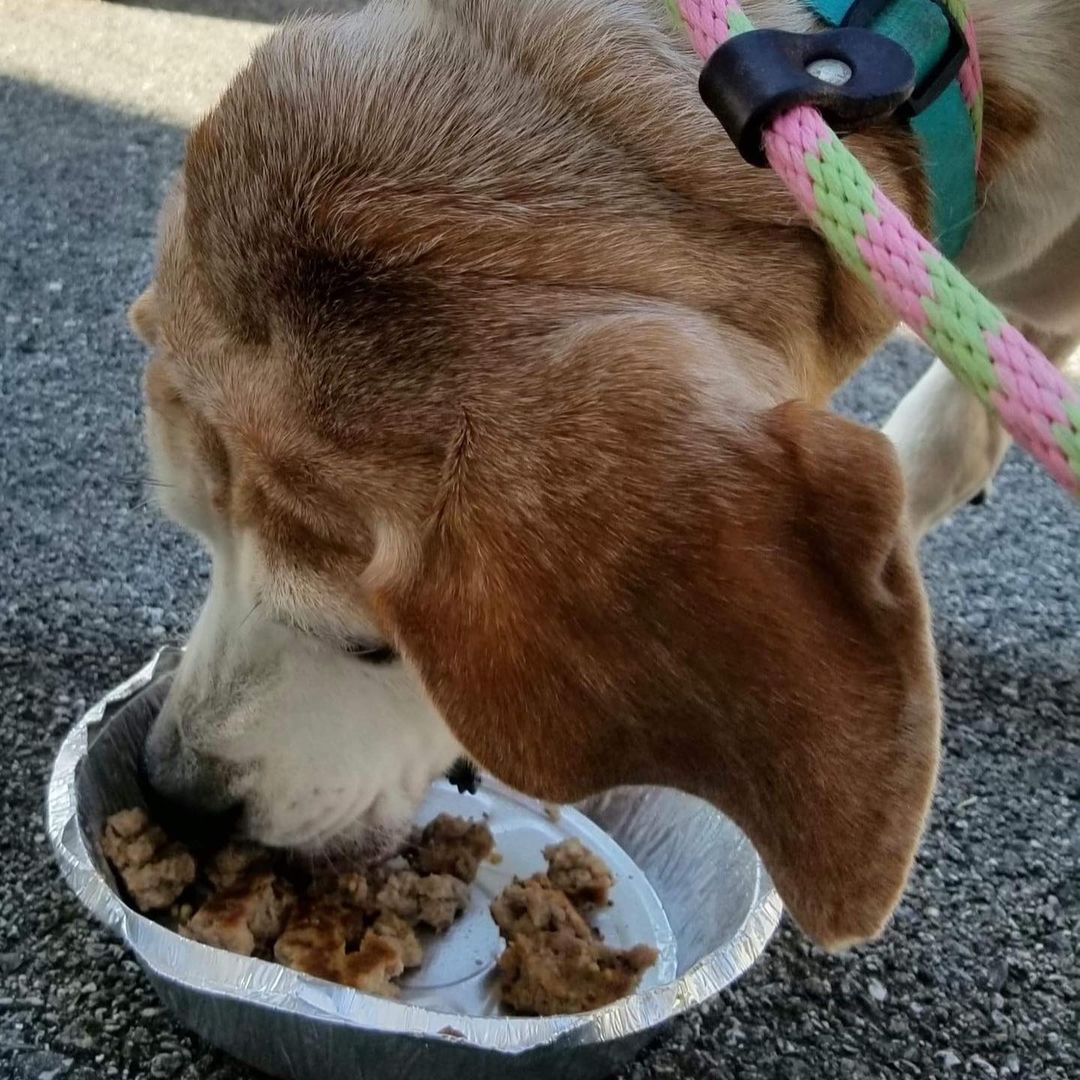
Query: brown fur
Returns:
{"type": "Point", "coordinates": [478, 324]}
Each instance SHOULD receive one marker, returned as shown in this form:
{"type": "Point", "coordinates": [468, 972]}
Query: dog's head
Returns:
{"type": "Point", "coordinates": [433, 368]}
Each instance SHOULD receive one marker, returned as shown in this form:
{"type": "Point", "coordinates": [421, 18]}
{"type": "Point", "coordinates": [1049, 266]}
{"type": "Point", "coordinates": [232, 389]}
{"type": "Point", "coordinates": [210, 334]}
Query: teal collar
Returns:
{"type": "Point", "coordinates": [943, 128]}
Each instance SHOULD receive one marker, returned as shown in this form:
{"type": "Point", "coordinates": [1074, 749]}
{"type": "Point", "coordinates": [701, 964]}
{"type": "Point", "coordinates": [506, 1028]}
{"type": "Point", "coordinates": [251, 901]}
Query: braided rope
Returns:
{"type": "Point", "coordinates": [877, 241]}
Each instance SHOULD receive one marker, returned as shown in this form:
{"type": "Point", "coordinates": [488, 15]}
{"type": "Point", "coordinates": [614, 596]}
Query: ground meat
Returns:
{"type": "Point", "coordinates": [553, 962]}
{"type": "Point", "coordinates": [154, 871]}
{"type": "Point", "coordinates": [558, 972]}
{"type": "Point", "coordinates": [244, 918]}
{"type": "Point", "coordinates": [155, 886]}
{"type": "Point", "coordinates": [348, 888]}
{"type": "Point", "coordinates": [452, 845]}
{"type": "Point", "coordinates": [317, 928]}
{"type": "Point", "coordinates": [536, 906]}
{"type": "Point", "coordinates": [580, 874]}
{"type": "Point", "coordinates": [435, 900]}
{"type": "Point", "coordinates": [377, 876]}
{"type": "Point", "coordinates": [399, 933]}
{"type": "Point", "coordinates": [130, 839]}
{"type": "Point", "coordinates": [236, 860]}
{"type": "Point", "coordinates": [374, 966]}
{"type": "Point", "coordinates": [319, 940]}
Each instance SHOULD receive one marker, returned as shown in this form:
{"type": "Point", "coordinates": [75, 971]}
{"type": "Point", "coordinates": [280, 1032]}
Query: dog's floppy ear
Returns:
{"type": "Point", "coordinates": [618, 589]}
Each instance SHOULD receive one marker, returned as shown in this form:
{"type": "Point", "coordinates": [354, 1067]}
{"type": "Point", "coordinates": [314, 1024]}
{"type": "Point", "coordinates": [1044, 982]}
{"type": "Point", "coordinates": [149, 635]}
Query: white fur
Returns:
{"type": "Point", "coordinates": [949, 447]}
{"type": "Point", "coordinates": [323, 749]}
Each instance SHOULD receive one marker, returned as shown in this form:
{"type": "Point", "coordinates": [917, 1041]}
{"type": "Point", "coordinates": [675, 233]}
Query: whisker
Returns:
{"type": "Point", "coordinates": [143, 481]}
{"type": "Point", "coordinates": [250, 613]}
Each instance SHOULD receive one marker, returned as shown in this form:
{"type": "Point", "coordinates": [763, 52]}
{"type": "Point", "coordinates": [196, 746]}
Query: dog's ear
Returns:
{"type": "Point", "coordinates": [618, 589]}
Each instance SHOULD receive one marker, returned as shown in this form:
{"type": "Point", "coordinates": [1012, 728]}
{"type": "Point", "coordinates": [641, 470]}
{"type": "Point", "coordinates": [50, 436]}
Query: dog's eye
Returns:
{"type": "Point", "coordinates": [374, 652]}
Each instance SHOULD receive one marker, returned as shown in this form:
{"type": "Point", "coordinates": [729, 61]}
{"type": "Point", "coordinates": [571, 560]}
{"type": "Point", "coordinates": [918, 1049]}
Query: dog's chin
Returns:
{"type": "Point", "coordinates": [361, 842]}
{"type": "Point", "coordinates": [361, 846]}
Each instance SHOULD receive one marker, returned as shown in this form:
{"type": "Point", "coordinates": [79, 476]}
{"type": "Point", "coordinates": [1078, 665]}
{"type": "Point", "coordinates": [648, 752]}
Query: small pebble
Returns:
{"type": "Point", "coordinates": [10, 962]}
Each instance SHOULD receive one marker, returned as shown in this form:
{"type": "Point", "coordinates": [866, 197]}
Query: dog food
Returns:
{"type": "Point", "coordinates": [554, 962]}
{"type": "Point", "coordinates": [328, 939]}
{"type": "Point", "coordinates": [435, 900]}
{"type": "Point", "coordinates": [452, 845]}
{"type": "Point", "coordinates": [155, 871]}
{"type": "Point", "coordinates": [362, 928]}
{"type": "Point", "coordinates": [358, 928]}
{"type": "Point", "coordinates": [574, 869]}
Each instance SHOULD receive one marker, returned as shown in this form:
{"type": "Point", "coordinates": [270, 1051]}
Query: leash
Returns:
{"type": "Point", "coordinates": [779, 123]}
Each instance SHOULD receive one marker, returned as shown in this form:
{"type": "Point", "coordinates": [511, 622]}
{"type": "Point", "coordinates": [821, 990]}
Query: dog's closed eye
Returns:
{"type": "Point", "coordinates": [373, 652]}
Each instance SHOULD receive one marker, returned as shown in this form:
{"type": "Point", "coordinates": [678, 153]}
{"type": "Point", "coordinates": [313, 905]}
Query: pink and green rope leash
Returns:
{"type": "Point", "coordinates": [876, 240]}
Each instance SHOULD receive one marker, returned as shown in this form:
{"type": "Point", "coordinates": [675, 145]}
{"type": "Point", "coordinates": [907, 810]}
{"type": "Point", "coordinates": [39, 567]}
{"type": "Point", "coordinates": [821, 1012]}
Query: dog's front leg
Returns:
{"type": "Point", "coordinates": [950, 445]}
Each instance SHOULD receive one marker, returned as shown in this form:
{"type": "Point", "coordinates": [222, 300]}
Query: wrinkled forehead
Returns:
{"type": "Point", "coordinates": [190, 340]}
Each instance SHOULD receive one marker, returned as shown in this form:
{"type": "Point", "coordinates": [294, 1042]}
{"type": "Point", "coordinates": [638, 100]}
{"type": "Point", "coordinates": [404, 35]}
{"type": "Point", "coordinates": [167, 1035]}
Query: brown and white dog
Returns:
{"type": "Point", "coordinates": [472, 335]}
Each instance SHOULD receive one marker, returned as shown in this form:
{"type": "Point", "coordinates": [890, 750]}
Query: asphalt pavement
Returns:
{"type": "Point", "coordinates": [978, 976]}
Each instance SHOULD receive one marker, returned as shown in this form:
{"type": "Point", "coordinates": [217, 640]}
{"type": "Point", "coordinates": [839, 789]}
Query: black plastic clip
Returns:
{"type": "Point", "coordinates": [862, 77]}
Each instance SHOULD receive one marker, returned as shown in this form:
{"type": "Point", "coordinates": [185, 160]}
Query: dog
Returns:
{"type": "Point", "coordinates": [495, 383]}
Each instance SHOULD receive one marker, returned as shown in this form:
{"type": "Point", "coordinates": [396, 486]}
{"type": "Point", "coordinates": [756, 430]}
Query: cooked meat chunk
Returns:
{"type": "Point", "coordinates": [156, 885]}
{"type": "Point", "coordinates": [435, 900]}
{"type": "Point", "coordinates": [316, 929]}
{"type": "Point", "coordinates": [245, 917]}
{"type": "Point", "coordinates": [453, 845]}
{"type": "Point", "coordinates": [347, 888]}
{"type": "Point", "coordinates": [527, 908]}
{"type": "Point", "coordinates": [154, 871]}
{"type": "Point", "coordinates": [558, 972]}
{"type": "Point", "coordinates": [580, 874]}
{"type": "Point", "coordinates": [553, 962]}
{"type": "Point", "coordinates": [376, 878]}
{"type": "Point", "coordinates": [236, 860]}
{"type": "Point", "coordinates": [130, 838]}
{"type": "Point", "coordinates": [317, 939]}
{"type": "Point", "coordinates": [400, 934]}
{"type": "Point", "coordinates": [374, 966]}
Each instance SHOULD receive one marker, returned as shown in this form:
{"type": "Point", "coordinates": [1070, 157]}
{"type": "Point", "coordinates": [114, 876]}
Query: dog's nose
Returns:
{"type": "Point", "coordinates": [188, 820]}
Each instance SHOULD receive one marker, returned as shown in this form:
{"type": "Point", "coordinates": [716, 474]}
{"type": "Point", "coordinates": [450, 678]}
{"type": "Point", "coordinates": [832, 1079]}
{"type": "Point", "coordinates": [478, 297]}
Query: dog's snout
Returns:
{"type": "Point", "coordinates": [195, 817]}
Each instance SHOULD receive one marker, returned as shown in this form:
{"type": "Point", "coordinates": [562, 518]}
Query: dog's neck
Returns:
{"type": "Point", "coordinates": [1027, 192]}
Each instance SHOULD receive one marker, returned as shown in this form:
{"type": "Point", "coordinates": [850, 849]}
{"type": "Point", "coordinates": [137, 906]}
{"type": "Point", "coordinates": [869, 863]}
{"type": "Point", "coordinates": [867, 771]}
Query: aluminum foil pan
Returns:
{"type": "Point", "coordinates": [688, 882]}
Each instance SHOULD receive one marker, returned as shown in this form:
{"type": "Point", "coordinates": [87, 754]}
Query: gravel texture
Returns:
{"type": "Point", "coordinates": [978, 976]}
